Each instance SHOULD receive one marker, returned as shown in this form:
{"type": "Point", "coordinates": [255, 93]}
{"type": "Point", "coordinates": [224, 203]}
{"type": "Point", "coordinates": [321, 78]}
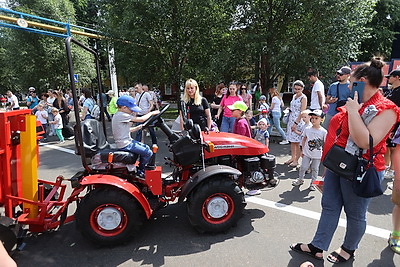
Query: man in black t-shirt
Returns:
{"type": "Point", "coordinates": [394, 95]}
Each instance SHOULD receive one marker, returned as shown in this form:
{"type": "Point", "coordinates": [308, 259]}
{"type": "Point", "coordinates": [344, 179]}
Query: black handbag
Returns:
{"type": "Point", "coordinates": [368, 184]}
{"type": "Point", "coordinates": [341, 162]}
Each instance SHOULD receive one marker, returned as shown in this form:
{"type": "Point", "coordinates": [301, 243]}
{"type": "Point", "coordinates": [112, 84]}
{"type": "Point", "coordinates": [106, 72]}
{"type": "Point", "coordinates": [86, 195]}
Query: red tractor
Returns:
{"type": "Point", "coordinates": [209, 171]}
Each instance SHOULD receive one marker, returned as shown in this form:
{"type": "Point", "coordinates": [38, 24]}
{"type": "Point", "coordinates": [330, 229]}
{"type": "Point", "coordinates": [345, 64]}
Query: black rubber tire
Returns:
{"type": "Point", "coordinates": [226, 191]}
{"type": "Point", "coordinates": [132, 216]}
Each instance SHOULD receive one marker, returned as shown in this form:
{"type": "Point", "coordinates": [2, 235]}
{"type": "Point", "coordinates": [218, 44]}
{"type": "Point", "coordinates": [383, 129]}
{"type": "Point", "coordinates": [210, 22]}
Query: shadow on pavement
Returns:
{"type": "Point", "coordinates": [168, 233]}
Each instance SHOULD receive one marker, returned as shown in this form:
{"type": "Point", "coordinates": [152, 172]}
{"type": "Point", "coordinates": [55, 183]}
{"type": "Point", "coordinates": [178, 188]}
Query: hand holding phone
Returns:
{"type": "Point", "coordinates": [359, 88]}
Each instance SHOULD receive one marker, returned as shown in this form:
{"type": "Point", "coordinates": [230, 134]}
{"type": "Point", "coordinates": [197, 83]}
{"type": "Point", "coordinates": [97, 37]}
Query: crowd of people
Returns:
{"type": "Point", "coordinates": [336, 117]}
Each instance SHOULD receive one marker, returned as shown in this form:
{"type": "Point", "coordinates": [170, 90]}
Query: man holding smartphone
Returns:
{"type": "Point", "coordinates": [393, 94]}
{"type": "Point", "coordinates": [318, 91]}
{"type": "Point", "coordinates": [337, 94]}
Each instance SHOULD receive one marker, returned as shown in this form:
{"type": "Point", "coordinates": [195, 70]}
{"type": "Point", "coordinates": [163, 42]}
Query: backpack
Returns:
{"type": "Point", "coordinates": [95, 113]}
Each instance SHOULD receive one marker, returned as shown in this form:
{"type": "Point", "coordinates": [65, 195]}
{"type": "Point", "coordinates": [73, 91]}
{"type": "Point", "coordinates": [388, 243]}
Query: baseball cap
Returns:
{"type": "Point", "coordinates": [238, 105]}
{"type": "Point", "coordinates": [344, 70]}
{"type": "Point", "coordinates": [32, 89]}
{"type": "Point", "coordinates": [128, 102]}
{"type": "Point", "coordinates": [264, 120]}
{"type": "Point", "coordinates": [263, 97]}
{"type": "Point", "coordinates": [317, 112]}
{"type": "Point", "coordinates": [110, 92]}
{"type": "Point", "coordinates": [395, 72]}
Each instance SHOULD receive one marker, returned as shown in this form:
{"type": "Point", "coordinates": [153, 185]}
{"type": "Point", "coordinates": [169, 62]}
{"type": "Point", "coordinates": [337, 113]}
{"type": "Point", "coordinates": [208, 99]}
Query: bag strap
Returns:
{"type": "Point", "coordinates": [337, 91]}
{"type": "Point", "coordinates": [371, 150]}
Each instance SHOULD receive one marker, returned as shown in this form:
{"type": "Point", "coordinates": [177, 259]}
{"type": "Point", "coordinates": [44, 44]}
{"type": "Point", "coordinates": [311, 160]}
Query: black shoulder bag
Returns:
{"type": "Point", "coordinates": [339, 161]}
{"type": "Point", "coordinates": [367, 183]}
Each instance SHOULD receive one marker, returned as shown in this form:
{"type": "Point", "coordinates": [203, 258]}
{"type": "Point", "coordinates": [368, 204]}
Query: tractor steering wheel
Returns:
{"type": "Point", "coordinates": [155, 117]}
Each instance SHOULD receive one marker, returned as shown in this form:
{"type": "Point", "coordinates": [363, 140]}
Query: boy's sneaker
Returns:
{"type": "Point", "coordinates": [253, 192]}
{"type": "Point", "coordinates": [298, 182]}
{"type": "Point", "coordinates": [312, 187]}
{"type": "Point", "coordinates": [389, 174]}
{"type": "Point", "coordinates": [284, 142]}
{"type": "Point", "coordinates": [390, 185]}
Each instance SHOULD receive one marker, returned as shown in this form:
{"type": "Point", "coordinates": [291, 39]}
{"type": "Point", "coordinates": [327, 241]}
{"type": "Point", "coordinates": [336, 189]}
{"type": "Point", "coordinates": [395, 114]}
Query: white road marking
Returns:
{"type": "Point", "coordinates": [66, 150]}
{"type": "Point", "coordinates": [372, 230]}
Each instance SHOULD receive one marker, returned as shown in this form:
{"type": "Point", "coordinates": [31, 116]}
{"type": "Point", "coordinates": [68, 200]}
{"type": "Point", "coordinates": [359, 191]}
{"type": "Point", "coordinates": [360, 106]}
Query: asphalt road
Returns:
{"type": "Point", "coordinates": [272, 221]}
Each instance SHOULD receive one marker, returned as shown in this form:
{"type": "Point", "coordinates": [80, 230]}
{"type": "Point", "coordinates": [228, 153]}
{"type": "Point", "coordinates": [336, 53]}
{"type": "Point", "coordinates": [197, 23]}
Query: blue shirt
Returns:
{"type": "Point", "coordinates": [344, 93]}
{"type": "Point", "coordinates": [34, 101]}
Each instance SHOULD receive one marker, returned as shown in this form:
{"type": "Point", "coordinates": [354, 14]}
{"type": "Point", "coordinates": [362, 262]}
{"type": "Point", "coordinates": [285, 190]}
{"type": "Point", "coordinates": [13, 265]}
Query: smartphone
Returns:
{"type": "Point", "coordinates": [359, 87]}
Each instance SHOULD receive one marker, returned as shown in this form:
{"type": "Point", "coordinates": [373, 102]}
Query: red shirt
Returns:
{"type": "Point", "coordinates": [340, 120]}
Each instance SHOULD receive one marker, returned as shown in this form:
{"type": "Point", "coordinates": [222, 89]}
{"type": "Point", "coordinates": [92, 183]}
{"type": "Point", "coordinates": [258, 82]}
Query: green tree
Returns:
{"type": "Point", "coordinates": [386, 18]}
{"type": "Point", "coordinates": [168, 40]}
{"type": "Point", "coordinates": [290, 36]}
{"type": "Point", "coordinates": [40, 60]}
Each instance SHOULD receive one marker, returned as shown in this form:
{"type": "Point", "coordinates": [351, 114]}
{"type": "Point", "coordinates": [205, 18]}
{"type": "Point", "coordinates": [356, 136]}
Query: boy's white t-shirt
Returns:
{"type": "Point", "coordinates": [41, 115]}
{"type": "Point", "coordinates": [121, 125]}
{"type": "Point", "coordinates": [58, 120]}
{"type": "Point", "coordinates": [314, 142]}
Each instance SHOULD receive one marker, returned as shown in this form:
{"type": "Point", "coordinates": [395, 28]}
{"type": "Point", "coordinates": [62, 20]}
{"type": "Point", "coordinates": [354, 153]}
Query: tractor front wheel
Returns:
{"type": "Point", "coordinates": [215, 205]}
{"type": "Point", "coordinates": [109, 216]}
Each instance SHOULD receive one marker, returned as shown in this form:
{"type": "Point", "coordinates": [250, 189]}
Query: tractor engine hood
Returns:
{"type": "Point", "coordinates": [232, 144]}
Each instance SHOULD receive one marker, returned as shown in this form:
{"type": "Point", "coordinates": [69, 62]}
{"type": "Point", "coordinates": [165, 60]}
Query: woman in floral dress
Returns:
{"type": "Point", "coordinates": [297, 105]}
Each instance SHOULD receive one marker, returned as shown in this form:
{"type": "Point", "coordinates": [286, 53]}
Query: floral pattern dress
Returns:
{"type": "Point", "coordinates": [295, 110]}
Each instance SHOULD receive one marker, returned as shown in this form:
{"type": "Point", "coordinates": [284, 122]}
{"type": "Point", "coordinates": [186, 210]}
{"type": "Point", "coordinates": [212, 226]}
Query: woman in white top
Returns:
{"type": "Point", "coordinates": [276, 111]}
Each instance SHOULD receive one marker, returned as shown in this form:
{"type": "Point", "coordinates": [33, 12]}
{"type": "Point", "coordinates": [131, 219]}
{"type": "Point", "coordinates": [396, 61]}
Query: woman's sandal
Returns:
{"type": "Point", "coordinates": [338, 257]}
{"type": "Point", "coordinates": [313, 250]}
{"type": "Point", "coordinates": [394, 243]}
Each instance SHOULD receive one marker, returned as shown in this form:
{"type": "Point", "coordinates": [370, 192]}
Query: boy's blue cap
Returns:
{"type": "Point", "coordinates": [128, 102]}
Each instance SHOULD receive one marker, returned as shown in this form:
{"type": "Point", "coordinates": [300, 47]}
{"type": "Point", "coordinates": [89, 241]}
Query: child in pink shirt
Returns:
{"type": "Point", "coordinates": [241, 125]}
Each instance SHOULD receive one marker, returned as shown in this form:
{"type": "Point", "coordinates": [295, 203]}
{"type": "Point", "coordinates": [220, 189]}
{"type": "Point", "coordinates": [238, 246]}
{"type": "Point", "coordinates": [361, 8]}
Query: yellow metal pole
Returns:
{"type": "Point", "coordinates": [29, 165]}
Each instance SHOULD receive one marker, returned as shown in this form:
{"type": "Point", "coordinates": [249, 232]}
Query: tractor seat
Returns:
{"type": "Point", "coordinates": [118, 156]}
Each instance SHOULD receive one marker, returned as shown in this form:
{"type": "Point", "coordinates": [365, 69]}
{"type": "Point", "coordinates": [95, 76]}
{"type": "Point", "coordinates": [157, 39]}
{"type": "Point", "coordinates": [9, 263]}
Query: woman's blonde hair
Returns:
{"type": "Point", "coordinates": [197, 96]}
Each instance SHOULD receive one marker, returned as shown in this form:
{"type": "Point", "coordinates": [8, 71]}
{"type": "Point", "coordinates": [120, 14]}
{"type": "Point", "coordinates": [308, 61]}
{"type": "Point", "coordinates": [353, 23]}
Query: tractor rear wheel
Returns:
{"type": "Point", "coordinates": [109, 216]}
{"type": "Point", "coordinates": [216, 205]}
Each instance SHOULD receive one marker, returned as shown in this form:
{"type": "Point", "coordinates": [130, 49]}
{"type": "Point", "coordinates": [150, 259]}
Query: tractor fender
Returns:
{"type": "Point", "coordinates": [203, 174]}
{"type": "Point", "coordinates": [119, 183]}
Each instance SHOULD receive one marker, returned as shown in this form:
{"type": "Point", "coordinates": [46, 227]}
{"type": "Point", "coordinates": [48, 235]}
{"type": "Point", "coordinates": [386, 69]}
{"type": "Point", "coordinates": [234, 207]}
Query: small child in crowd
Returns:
{"type": "Point", "coordinates": [394, 239]}
{"type": "Point", "coordinates": [312, 143]}
{"type": "Point", "coordinates": [58, 125]}
{"type": "Point", "coordinates": [252, 121]}
{"type": "Point", "coordinates": [264, 115]}
{"type": "Point", "coordinates": [42, 115]}
{"type": "Point", "coordinates": [241, 125]}
{"type": "Point", "coordinates": [262, 134]}
{"type": "Point", "coordinates": [305, 122]}
{"type": "Point", "coordinates": [262, 103]}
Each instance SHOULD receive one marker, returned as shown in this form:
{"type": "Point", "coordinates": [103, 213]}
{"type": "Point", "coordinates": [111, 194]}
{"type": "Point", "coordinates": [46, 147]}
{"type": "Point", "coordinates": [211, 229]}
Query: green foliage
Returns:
{"type": "Point", "coordinates": [172, 39]}
{"type": "Point", "coordinates": [39, 60]}
{"type": "Point", "coordinates": [387, 16]}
